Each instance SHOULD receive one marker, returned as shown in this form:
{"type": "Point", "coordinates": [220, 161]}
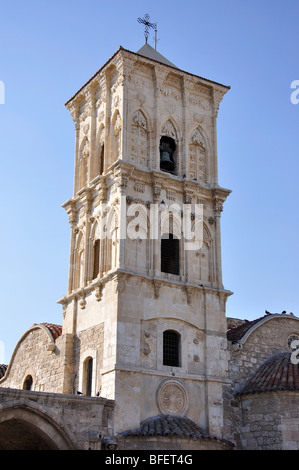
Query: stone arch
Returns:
{"type": "Point", "coordinates": [89, 357]}
{"type": "Point", "coordinates": [27, 427]}
{"type": "Point", "coordinates": [50, 346]}
{"type": "Point", "coordinates": [170, 131]}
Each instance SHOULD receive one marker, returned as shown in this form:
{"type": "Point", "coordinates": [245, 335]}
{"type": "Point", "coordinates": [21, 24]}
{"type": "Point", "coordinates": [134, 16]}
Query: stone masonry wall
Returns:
{"type": "Point", "coordinates": [268, 338]}
{"type": "Point", "coordinates": [89, 343]}
{"type": "Point", "coordinates": [67, 421]}
{"type": "Point", "coordinates": [270, 421]}
{"type": "Point", "coordinates": [32, 356]}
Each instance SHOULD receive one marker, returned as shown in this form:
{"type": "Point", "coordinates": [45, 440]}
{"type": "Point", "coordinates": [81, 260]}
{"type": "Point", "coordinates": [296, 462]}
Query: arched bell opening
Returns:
{"type": "Point", "coordinates": [168, 154]}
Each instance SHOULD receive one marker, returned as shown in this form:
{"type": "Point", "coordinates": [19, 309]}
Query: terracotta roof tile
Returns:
{"type": "Point", "coordinates": [235, 334]}
{"type": "Point", "coordinates": [56, 330]}
{"type": "Point", "coordinates": [170, 426]}
{"type": "Point", "coordinates": [277, 373]}
{"type": "Point", "coordinates": [165, 425]}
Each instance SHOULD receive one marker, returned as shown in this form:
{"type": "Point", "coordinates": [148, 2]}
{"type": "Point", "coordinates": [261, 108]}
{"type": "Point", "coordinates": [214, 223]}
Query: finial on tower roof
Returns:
{"type": "Point", "coordinates": [148, 25]}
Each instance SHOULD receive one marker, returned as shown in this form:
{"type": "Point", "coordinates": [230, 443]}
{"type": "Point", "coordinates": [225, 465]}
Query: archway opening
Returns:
{"type": "Point", "coordinates": [16, 434]}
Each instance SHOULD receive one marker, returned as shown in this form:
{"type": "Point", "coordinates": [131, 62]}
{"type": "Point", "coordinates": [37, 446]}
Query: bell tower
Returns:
{"type": "Point", "coordinates": [144, 312]}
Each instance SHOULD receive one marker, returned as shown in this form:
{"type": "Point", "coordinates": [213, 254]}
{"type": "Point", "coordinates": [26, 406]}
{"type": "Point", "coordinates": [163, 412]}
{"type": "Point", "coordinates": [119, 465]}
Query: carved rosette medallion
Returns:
{"type": "Point", "coordinates": [172, 398]}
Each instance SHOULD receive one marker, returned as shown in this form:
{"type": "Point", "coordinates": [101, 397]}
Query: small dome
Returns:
{"type": "Point", "coordinates": [277, 373]}
{"type": "Point", "coordinates": [164, 425]}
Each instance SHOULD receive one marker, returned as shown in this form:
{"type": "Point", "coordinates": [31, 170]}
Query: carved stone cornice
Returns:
{"type": "Point", "coordinates": [99, 291]}
{"type": "Point", "coordinates": [88, 199]}
{"type": "Point", "coordinates": [102, 189]}
{"type": "Point", "coordinates": [122, 173]}
{"type": "Point", "coordinates": [82, 301]}
{"type": "Point", "coordinates": [219, 196]}
{"type": "Point", "coordinates": [189, 292]}
{"type": "Point", "coordinates": [70, 208]}
{"type": "Point", "coordinates": [217, 95]}
{"type": "Point", "coordinates": [157, 286]}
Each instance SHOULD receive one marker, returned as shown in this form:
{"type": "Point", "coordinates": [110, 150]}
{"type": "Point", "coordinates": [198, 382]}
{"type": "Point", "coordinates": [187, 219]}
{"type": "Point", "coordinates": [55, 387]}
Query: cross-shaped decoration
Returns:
{"type": "Point", "coordinates": [147, 24]}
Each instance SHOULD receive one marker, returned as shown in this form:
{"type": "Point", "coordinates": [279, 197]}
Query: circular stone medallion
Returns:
{"type": "Point", "coordinates": [172, 398]}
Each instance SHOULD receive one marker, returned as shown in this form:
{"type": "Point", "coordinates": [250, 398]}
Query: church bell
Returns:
{"type": "Point", "coordinates": [165, 157]}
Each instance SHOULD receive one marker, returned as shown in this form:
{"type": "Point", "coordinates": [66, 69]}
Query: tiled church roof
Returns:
{"type": "Point", "coordinates": [165, 425]}
{"type": "Point", "coordinates": [235, 334]}
{"type": "Point", "coordinates": [3, 369]}
{"type": "Point", "coordinates": [55, 330]}
{"type": "Point", "coordinates": [277, 373]}
{"type": "Point", "coordinates": [169, 426]}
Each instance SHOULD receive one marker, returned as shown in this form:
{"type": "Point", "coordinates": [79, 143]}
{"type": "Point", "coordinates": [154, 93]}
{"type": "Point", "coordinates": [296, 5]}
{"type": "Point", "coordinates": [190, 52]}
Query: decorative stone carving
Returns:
{"type": "Point", "coordinates": [157, 188]}
{"type": "Point", "coordinates": [139, 119]}
{"type": "Point", "coordinates": [139, 186]}
{"type": "Point", "coordinates": [198, 138]}
{"type": "Point", "coordinates": [172, 398]}
{"type": "Point", "coordinates": [139, 139]}
{"type": "Point", "coordinates": [99, 292]}
{"type": "Point", "coordinates": [117, 125]}
{"type": "Point", "coordinates": [197, 155]}
{"type": "Point", "coordinates": [189, 292]}
{"type": "Point", "coordinates": [142, 98]}
{"type": "Point", "coordinates": [169, 130]}
{"type": "Point", "coordinates": [82, 301]}
{"type": "Point", "coordinates": [170, 194]}
{"type": "Point", "coordinates": [157, 286]}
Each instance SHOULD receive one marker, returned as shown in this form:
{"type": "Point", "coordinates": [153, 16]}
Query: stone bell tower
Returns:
{"type": "Point", "coordinates": [145, 316]}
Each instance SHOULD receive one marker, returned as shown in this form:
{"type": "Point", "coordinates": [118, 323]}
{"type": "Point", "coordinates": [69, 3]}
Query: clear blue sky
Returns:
{"type": "Point", "coordinates": [48, 50]}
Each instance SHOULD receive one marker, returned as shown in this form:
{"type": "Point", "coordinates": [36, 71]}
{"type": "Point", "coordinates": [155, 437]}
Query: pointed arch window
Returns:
{"type": "Point", "coordinates": [167, 154]}
{"type": "Point", "coordinates": [171, 348]}
{"type": "Point", "coordinates": [28, 383]}
{"type": "Point", "coordinates": [168, 148]}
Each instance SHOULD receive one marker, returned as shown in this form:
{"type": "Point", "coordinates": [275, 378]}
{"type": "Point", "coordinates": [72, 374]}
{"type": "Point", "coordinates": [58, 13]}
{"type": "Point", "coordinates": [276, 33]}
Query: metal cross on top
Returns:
{"type": "Point", "coordinates": [148, 25]}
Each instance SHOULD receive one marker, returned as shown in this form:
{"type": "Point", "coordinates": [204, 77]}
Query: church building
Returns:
{"type": "Point", "coordinates": [145, 356]}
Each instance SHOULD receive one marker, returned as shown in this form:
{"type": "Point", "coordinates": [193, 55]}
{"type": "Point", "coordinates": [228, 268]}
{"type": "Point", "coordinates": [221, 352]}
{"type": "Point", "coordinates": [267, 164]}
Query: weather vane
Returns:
{"type": "Point", "coordinates": [148, 25]}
